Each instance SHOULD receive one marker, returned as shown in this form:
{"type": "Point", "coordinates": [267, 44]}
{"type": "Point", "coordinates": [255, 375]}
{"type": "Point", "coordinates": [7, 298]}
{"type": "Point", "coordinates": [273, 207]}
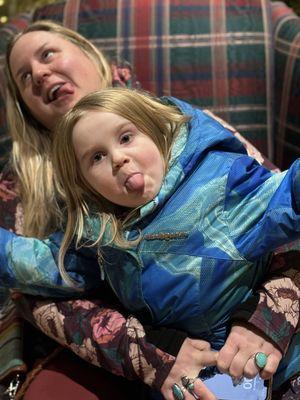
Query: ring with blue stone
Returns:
{"type": "Point", "coordinates": [188, 383]}
{"type": "Point", "coordinates": [177, 392]}
{"type": "Point", "coordinates": [260, 360]}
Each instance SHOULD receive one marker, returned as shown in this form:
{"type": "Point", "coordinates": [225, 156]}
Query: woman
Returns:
{"type": "Point", "coordinates": [44, 82]}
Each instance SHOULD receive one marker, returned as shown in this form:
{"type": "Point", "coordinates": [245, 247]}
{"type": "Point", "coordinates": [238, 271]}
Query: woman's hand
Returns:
{"type": "Point", "coordinates": [192, 357]}
{"type": "Point", "coordinates": [236, 357]}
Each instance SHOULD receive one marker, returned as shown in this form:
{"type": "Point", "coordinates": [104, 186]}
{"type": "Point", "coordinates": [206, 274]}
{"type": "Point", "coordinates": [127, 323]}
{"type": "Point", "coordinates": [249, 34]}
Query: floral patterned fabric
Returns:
{"type": "Point", "coordinates": [101, 336]}
{"type": "Point", "coordinates": [10, 208]}
{"type": "Point", "coordinates": [279, 297]}
{"type": "Point", "coordinates": [275, 309]}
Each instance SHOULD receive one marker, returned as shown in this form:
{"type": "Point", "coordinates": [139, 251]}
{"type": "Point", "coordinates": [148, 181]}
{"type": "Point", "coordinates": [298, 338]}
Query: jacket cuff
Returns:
{"type": "Point", "coordinates": [245, 310]}
{"type": "Point", "coordinates": [271, 322]}
{"type": "Point", "coordinates": [7, 277]}
{"type": "Point", "coordinates": [168, 340]}
{"type": "Point", "coordinates": [162, 372]}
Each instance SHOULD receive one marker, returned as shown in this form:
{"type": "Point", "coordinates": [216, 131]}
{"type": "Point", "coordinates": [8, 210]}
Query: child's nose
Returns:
{"type": "Point", "coordinates": [119, 159]}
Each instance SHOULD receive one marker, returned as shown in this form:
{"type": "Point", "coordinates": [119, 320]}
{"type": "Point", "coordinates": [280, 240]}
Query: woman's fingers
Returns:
{"type": "Point", "coordinates": [237, 357]}
{"type": "Point", "coordinates": [243, 364]}
{"type": "Point", "coordinates": [251, 369]}
{"type": "Point", "coordinates": [226, 355]}
{"type": "Point", "coordinates": [237, 367]}
{"type": "Point", "coordinates": [273, 359]}
{"type": "Point", "coordinates": [209, 358]}
{"type": "Point", "coordinates": [193, 356]}
{"type": "Point", "coordinates": [202, 392]}
{"type": "Point", "coordinates": [272, 365]}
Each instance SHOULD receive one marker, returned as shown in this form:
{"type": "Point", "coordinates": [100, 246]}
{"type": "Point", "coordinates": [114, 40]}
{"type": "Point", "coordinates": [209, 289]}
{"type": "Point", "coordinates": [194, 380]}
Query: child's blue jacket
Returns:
{"type": "Point", "coordinates": [205, 238]}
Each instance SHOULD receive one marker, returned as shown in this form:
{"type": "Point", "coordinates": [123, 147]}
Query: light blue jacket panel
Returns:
{"type": "Point", "coordinates": [30, 265]}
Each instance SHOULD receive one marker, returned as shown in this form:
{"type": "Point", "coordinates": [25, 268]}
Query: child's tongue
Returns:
{"type": "Point", "coordinates": [135, 183]}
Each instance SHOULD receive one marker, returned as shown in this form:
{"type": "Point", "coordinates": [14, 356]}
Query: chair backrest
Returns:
{"type": "Point", "coordinates": [240, 59]}
{"type": "Point", "coordinates": [215, 53]}
{"type": "Point", "coordinates": [286, 28]}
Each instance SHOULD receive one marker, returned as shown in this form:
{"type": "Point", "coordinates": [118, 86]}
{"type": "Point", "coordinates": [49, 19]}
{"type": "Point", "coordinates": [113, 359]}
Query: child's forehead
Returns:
{"type": "Point", "coordinates": [101, 118]}
{"type": "Point", "coordinates": [102, 113]}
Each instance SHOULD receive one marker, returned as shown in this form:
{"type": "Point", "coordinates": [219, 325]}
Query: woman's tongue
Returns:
{"type": "Point", "coordinates": [135, 183]}
{"type": "Point", "coordinates": [67, 88]}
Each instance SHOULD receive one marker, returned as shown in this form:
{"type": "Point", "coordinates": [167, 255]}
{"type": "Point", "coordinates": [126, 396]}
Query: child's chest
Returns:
{"type": "Point", "coordinates": [184, 268]}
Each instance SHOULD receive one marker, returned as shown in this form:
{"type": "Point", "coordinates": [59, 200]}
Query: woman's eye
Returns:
{"type": "Point", "coordinates": [26, 76]}
{"type": "Point", "coordinates": [47, 54]}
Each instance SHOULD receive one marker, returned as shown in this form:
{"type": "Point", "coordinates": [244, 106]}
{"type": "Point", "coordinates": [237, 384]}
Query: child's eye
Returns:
{"type": "Point", "coordinates": [98, 157]}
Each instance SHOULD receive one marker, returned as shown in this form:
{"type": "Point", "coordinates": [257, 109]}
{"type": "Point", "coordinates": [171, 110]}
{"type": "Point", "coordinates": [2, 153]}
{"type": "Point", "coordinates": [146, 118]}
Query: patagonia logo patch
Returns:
{"type": "Point", "coordinates": [166, 236]}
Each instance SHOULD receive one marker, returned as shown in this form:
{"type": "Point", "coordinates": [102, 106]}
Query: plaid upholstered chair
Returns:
{"type": "Point", "coordinates": [240, 60]}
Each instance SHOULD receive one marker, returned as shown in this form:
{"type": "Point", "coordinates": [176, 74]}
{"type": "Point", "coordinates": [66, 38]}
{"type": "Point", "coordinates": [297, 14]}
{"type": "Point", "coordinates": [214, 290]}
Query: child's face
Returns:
{"type": "Point", "coordinates": [120, 162]}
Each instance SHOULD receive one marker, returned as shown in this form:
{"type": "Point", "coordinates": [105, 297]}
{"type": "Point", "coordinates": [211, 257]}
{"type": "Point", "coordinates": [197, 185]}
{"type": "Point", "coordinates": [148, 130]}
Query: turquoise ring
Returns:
{"type": "Point", "coordinates": [177, 392]}
{"type": "Point", "coordinates": [260, 360]}
{"type": "Point", "coordinates": [188, 383]}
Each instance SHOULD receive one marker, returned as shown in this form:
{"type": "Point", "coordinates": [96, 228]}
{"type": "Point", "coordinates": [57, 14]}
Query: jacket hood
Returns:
{"type": "Point", "coordinates": [195, 139]}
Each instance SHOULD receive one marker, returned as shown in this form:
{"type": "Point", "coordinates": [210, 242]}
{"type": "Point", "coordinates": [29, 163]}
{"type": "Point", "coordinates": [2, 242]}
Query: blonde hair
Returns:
{"type": "Point", "coordinates": [32, 142]}
{"type": "Point", "coordinates": [159, 121]}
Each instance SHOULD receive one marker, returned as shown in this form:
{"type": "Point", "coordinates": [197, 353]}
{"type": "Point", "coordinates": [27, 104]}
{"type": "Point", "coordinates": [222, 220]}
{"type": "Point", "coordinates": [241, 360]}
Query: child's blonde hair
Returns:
{"type": "Point", "coordinates": [32, 142]}
{"type": "Point", "coordinates": [159, 121]}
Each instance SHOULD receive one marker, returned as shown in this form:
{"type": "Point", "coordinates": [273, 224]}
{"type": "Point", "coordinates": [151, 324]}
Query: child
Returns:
{"type": "Point", "coordinates": [185, 219]}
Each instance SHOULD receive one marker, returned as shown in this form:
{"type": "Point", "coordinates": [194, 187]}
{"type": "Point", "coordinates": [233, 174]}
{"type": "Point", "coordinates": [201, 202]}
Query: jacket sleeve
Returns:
{"type": "Point", "coordinates": [102, 336]}
{"type": "Point", "coordinates": [262, 209]}
{"type": "Point", "coordinates": [30, 265]}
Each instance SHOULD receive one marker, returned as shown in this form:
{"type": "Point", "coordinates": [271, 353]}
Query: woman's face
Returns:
{"type": "Point", "coordinates": [52, 74]}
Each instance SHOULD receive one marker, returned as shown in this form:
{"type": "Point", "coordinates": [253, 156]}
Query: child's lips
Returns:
{"type": "Point", "coordinates": [135, 182]}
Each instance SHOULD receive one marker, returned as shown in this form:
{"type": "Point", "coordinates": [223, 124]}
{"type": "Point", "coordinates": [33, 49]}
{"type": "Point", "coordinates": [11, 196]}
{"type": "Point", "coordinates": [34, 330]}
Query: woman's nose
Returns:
{"type": "Point", "coordinates": [39, 73]}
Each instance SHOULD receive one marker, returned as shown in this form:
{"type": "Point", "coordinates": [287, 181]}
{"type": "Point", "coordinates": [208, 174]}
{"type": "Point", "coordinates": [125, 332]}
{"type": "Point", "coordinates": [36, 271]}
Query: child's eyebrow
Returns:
{"type": "Point", "coordinates": [124, 125]}
{"type": "Point", "coordinates": [94, 147]}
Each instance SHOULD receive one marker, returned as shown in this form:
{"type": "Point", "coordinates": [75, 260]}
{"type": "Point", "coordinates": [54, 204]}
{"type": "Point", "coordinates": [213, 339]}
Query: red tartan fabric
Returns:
{"type": "Point", "coordinates": [287, 82]}
{"type": "Point", "coordinates": [217, 54]}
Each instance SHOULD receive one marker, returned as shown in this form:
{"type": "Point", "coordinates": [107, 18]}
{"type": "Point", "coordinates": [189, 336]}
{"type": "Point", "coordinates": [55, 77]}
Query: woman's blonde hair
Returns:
{"type": "Point", "coordinates": [32, 142]}
{"type": "Point", "coordinates": [159, 121]}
